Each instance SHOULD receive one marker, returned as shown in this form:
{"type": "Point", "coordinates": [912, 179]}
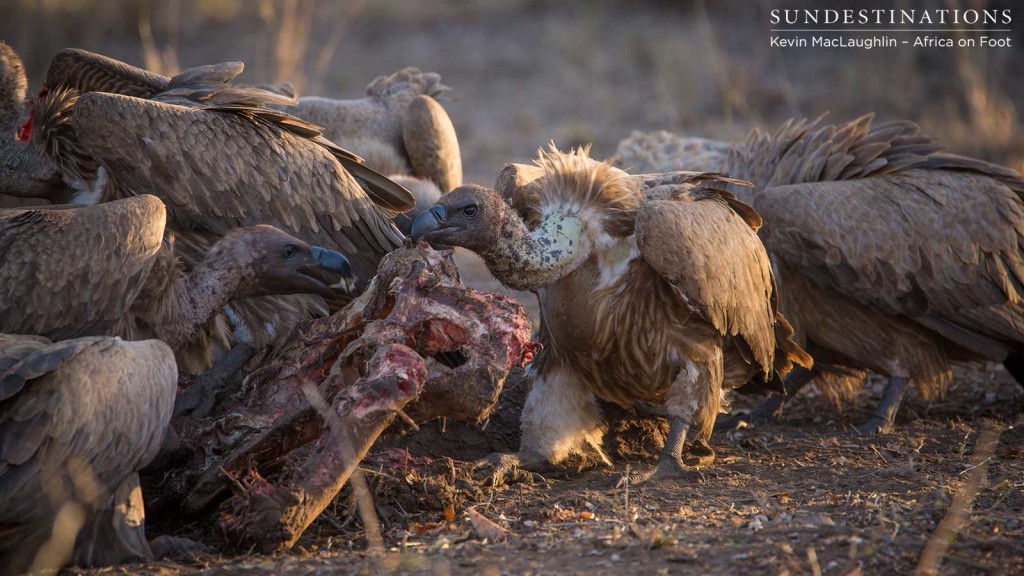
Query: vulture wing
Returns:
{"type": "Point", "coordinates": [431, 143]}
{"type": "Point", "coordinates": [881, 215]}
{"type": "Point", "coordinates": [941, 247]}
{"type": "Point", "coordinates": [703, 242]}
{"type": "Point", "coordinates": [77, 418]}
{"type": "Point", "coordinates": [73, 271]}
{"type": "Point", "coordinates": [89, 72]}
{"type": "Point", "coordinates": [220, 168]}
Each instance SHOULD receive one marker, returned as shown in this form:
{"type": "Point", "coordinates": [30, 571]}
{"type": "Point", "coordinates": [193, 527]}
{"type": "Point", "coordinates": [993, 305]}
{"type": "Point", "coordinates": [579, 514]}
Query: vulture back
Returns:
{"type": "Point", "coordinates": [73, 271]}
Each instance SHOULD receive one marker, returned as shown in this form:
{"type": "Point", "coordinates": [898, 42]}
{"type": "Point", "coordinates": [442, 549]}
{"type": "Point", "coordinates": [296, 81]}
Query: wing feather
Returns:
{"type": "Point", "coordinates": [74, 271]}
{"type": "Point", "coordinates": [942, 247]}
{"type": "Point", "coordinates": [219, 168]}
{"type": "Point", "coordinates": [698, 243]}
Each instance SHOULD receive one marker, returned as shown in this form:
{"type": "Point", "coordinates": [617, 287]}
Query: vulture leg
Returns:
{"type": "Point", "coordinates": [201, 396]}
{"type": "Point", "coordinates": [885, 413]}
{"type": "Point", "coordinates": [670, 462]}
{"type": "Point", "coordinates": [693, 400]}
{"type": "Point", "coordinates": [770, 410]}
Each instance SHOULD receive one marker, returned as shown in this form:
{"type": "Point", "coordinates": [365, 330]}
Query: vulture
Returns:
{"type": "Point", "coordinates": [652, 289]}
{"type": "Point", "coordinates": [24, 172]}
{"type": "Point", "coordinates": [78, 419]}
{"type": "Point", "coordinates": [892, 255]}
{"type": "Point", "coordinates": [110, 269]}
{"type": "Point", "coordinates": [399, 127]}
{"type": "Point", "coordinates": [219, 161]}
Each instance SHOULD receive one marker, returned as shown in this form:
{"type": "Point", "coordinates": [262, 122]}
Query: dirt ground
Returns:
{"type": "Point", "coordinates": [791, 498]}
{"type": "Point", "coordinates": [780, 499]}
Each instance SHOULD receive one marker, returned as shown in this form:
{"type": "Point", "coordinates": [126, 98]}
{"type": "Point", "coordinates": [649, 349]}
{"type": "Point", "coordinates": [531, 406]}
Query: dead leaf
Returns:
{"type": "Point", "coordinates": [484, 527]}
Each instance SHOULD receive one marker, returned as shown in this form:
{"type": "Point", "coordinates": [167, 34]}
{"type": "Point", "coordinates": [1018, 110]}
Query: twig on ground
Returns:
{"type": "Point", "coordinates": [939, 543]}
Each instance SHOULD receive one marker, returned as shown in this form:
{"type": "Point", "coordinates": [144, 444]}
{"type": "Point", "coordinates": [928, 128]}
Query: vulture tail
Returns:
{"type": "Point", "coordinates": [787, 352]}
{"type": "Point", "coordinates": [408, 83]}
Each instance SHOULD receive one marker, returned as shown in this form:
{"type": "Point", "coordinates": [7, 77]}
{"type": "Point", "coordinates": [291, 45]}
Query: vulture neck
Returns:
{"type": "Point", "coordinates": [529, 260]}
{"type": "Point", "coordinates": [192, 302]}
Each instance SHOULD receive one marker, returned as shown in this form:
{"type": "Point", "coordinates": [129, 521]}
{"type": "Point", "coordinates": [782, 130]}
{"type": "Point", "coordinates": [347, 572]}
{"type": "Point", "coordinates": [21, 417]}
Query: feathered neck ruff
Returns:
{"type": "Point", "coordinates": [574, 184]}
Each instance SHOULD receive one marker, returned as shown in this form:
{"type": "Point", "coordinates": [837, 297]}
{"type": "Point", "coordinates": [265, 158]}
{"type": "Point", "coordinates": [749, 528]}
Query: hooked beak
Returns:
{"type": "Point", "coordinates": [429, 222]}
{"type": "Point", "coordinates": [331, 261]}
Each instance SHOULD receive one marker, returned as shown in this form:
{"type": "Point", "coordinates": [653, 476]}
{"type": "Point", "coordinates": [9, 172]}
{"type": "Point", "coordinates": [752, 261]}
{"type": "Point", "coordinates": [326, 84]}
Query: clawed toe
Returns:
{"type": "Point", "coordinates": [665, 469]}
{"type": "Point", "coordinates": [499, 469]}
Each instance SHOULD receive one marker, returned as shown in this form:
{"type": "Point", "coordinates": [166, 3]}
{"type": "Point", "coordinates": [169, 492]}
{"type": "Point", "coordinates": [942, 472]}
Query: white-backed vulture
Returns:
{"type": "Point", "coordinates": [654, 290]}
{"type": "Point", "coordinates": [78, 419]}
{"type": "Point", "coordinates": [228, 165]}
{"type": "Point", "coordinates": [893, 255]}
{"type": "Point", "coordinates": [24, 172]}
{"type": "Point", "coordinates": [109, 269]}
{"type": "Point", "coordinates": [398, 127]}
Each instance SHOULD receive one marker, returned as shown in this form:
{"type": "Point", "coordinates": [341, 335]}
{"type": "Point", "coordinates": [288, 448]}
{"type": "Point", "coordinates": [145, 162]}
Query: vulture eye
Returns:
{"type": "Point", "coordinates": [470, 210]}
{"type": "Point", "coordinates": [290, 250]}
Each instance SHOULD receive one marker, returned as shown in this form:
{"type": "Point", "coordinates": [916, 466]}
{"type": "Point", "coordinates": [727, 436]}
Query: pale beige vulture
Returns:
{"type": "Point", "coordinates": [26, 176]}
{"type": "Point", "coordinates": [892, 255]}
{"type": "Point", "coordinates": [108, 269]}
{"type": "Point", "coordinates": [229, 165]}
{"type": "Point", "coordinates": [651, 290]}
{"type": "Point", "coordinates": [398, 127]}
{"type": "Point", "coordinates": [78, 419]}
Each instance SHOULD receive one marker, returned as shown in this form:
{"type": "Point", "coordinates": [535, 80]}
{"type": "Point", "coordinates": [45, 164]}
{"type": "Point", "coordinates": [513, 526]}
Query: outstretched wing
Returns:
{"type": "Point", "coordinates": [227, 167]}
{"type": "Point", "coordinates": [74, 271]}
{"type": "Point", "coordinates": [700, 240]}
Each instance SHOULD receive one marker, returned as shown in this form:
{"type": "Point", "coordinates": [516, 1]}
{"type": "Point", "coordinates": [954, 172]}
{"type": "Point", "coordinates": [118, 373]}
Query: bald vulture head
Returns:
{"type": "Point", "coordinates": [471, 216]}
{"type": "Point", "coordinates": [270, 261]}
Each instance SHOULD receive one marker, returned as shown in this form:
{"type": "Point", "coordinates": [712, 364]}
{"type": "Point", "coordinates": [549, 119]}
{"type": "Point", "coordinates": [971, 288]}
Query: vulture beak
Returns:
{"type": "Point", "coordinates": [331, 261]}
{"type": "Point", "coordinates": [429, 223]}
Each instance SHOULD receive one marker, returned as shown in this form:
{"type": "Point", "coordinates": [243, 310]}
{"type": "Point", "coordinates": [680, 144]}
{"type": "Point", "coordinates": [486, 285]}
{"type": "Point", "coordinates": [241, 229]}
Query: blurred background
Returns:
{"type": "Point", "coordinates": [526, 72]}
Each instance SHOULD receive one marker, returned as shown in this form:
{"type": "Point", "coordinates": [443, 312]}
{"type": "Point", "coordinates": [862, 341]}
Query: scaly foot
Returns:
{"type": "Point", "coordinates": [499, 468]}
{"type": "Point", "coordinates": [671, 468]}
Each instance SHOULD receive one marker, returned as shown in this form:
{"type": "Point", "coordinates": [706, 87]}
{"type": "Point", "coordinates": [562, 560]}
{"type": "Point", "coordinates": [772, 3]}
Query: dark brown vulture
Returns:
{"type": "Point", "coordinates": [650, 289]}
{"type": "Point", "coordinates": [24, 172]}
{"type": "Point", "coordinates": [78, 419]}
{"type": "Point", "coordinates": [227, 165]}
{"type": "Point", "coordinates": [399, 127]}
{"type": "Point", "coordinates": [892, 255]}
{"type": "Point", "coordinates": [108, 269]}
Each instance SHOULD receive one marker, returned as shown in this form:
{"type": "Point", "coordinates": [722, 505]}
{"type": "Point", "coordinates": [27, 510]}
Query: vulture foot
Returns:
{"type": "Point", "coordinates": [885, 413]}
{"type": "Point", "coordinates": [767, 412]}
{"type": "Point", "coordinates": [670, 464]}
{"type": "Point", "coordinates": [200, 398]}
{"type": "Point", "coordinates": [873, 426]}
{"type": "Point", "coordinates": [499, 469]}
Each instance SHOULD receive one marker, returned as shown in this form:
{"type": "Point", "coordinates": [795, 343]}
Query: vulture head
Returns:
{"type": "Point", "coordinates": [471, 216]}
{"type": "Point", "coordinates": [267, 261]}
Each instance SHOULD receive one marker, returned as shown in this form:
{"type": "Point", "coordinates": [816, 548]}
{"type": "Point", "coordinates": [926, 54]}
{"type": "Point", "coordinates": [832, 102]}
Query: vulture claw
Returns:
{"type": "Point", "coordinates": [499, 469]}
{"type": "Point", "coordinates": [665, 469]}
